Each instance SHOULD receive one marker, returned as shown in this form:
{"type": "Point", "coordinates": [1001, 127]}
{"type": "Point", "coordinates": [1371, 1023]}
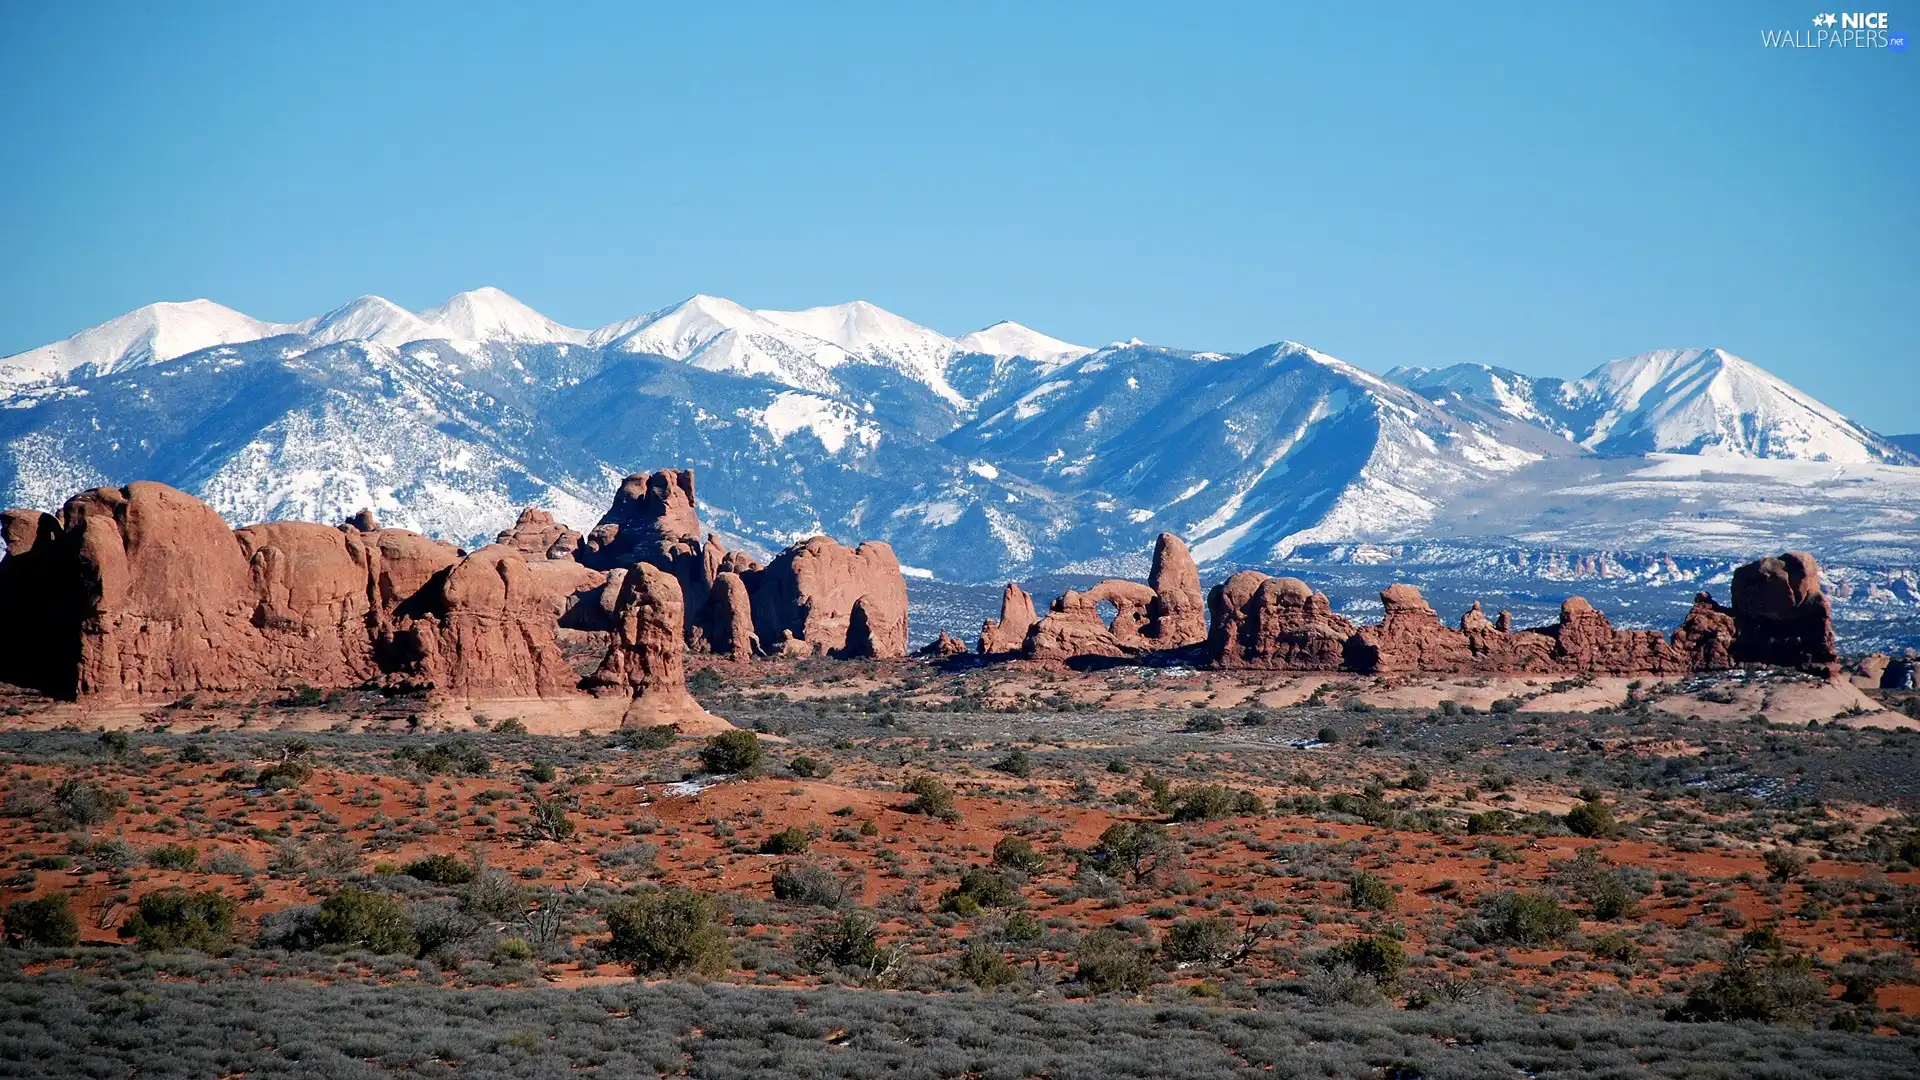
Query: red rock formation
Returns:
{"type": "Point", "coordinates": [312, 604]}
{"type": "Point", "coordinates": [39, 635]}
{"type": "Point", "coordinates": [871, 633]}
{"type": "Point", "coordinates": [1073, 626]}
{"type": "Point", "coordinates": [1705, 638]}
{"type": "Point", "coordinates": [1258, 621]}
{"type": "Point", "coordinates": [1177, 614]}
{"type": "Point", "coordinates": [648, 509]}
{"type": "Point", "coordinates": [730, 618]}
{"type": "Point", "coordinates": [1410, 638]}
{"type": "Point", "coordinates": [1008, 634]}
{"type": "Point", "coordinates": [1780, 614]}
{"type": "Point", "coordinates": [944, 647]}
{"type": "Point", "coordinates": [536, 535]}
{"type": "Point", "coordinates": [809, 591]}
{"type": "Point", "coordinates": [483, 627]}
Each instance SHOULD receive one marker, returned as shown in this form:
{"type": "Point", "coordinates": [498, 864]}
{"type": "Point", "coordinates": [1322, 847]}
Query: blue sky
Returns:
{"type": "Point", "coordinates": [1542, 186]}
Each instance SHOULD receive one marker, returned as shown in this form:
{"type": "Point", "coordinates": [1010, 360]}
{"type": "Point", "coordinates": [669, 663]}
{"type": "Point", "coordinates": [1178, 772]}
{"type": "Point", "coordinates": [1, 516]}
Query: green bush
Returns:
{"type": "Point", "coordinates": [1489, 823]}
{"type": "Point", "coordinates": [512, 725]}
{"type": "Point", "coordinates": [706, 681]}
{"type": "Point", "coordinates": [807, 883]}
{"type": "Point", "coordinates": [1370, 892]}
{"type": "Point", "coordinates": [1202, 941]}
{"type": "Point", "coordinates": [1017, 763]}
{"type": "Point", "coordinates": [1108, 961]}
{"type": "Point", "coordinates": [46, 921]}
{"type": "Point", "coordinates": [809, 768]}
{"type": "Point", "coordinates": [1209, 802]}
{"type": "Point", "coordinates": [668, 932]}
{"type": "Point", "coordinates": [848, 940]}
{"type": "Point", "coordinates": [174, 857]}
{"type": "Point", "coordinates": [1525, 919]}
{"type": "Point", "coordinates": [359, 918]}
{"type": "Point", "coordinates": [1768, 989]}
{"type": "Point", "coordinates": [282, 775]}
{"type": "Point", "coordinates": [1592, 818]}
{"type": "Point", "coordinates": [792, 840]}
{"type": "Point", "coordinates": [1327, 735]}
{"type": "Point", "coordinates": [978, 889]}
{"type": "Point", "coordinates": [177, 919]}
{"type": "Point", "coordinates": [1378, 958]}
{"type": "Point", "coordinates": [543, 772]}
{"type": "Point", "coordinates": [1784, 864]}
{"type": "Point", "coordinates": [452, 757]}
{"type": "Point", "coordinates": [1137, 848]}
{"type": "Point", "coordinates": [84, 802]}
{"type": "Point", "coordinates": [1018, 853]}
{"type": "Point", "coordinates": [732, 752]}
{"type": "Point", "coordinates": [932, 798]}
{"type": "Point", "coordinates": [549, 820]}
{"type": "Point", "coordinates": [987, 967]}
{"type": "Point", "coordinates": [441, 869]}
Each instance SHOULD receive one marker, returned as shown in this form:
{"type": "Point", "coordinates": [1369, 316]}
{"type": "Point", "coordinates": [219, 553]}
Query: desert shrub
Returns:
{"type": "Point", "coordinates": [1370, 892]}
{"type": "Point", "coordinates": [809, 768]}
{"type": "Point", "coordinates": [84, 802]}
{"type": "Point", "coordinates": [1208, 802]}
{"type": "Point", "coordinates": [548, 820]}
{"type": "Point", "coordinates": [668, 932]}
{"type": "Point", "coordinates": [1108, 961]}
{"type": "Point", "coordinates": [1506, 705]}
{"type": "Point", "coordinates": [1206, 723]}
{"type": "Point", "coordinates": [851, 939]}
{"type": "Point", "coordinates": [441, 869]}
{"type": "Point", "coordinates": [932, 798]}
{"type": "Point", "coordinates": [1018, 853]}
{"type": "Point", "coordinates": [654, 737]}
{"type": "Point", "coordinates": [986, 967]}
{"type": "Point", "coordinates": [1327, 735]}
{"type": "Point", "coordinates": [1202, 941]}
{"type": "Point", "coordinates": [1137, 848]}
{"type": "Point", "coordinates": [1612, 892]}
{"type": "Point", "coordinates": [174, 857]}
{"type": "Point", "coordinates": [178, 919]}
{"type": "Point", "coordinates": [1022, 928]}
{"type": "Point", "coordinates": [979, 888]}
{"type": "Point", "coordinates": [543, 772]}
{"type": "Point", "coordinates": [733, 752]}
{"type": "Point", "coordinates": [1765, 988]}
{"type": "Point", "coordinates": [1617, 948]}
{"type": "Point", "coordinates": [359, 918]}
{"type": "Point", "coordinates": [303, 697]}
{"type": "Point", "coordinates": [193, 753]}
{"type": "Point", "coordinates": [233, 861]}
{"type": "Point", "coordinates": [705, 681]}
{"type": "Point", "coordinates": [1016, 763]}
{"type": "Point", "coordinates": [809, 883]}
{"type": "Point", "coordinates": [1592, 818]}
{"type": "Point", "coordinates": [512, 725]}
{"type": "Point", "coordinates": [451, 757]}
{"type": "Point", "coordinates": [283, 775]}
{"type": "Point", "coordinates": [1524, 919]}
{"type": "Point", "coordinates": [792, 840]}
{"type": "Point", "coordinates": [48, 920]}
{"type": "Point", "coordinates": [1489, 823]}
{"type": "Point", "coordinates": [1381, 959]}
{"type": "Point", "coordinates": [1784, 864]}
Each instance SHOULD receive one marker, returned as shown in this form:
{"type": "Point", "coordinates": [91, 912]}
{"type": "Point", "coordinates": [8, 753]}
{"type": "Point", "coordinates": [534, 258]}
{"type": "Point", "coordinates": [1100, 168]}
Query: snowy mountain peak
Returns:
{"type": "Point", "coordinates": [1009, 338]}
{"type": "Point", "coordinates": [489, 314]}
{"type": "Point", "coordinates": [150, 335]}
{"type": "Point", "coordinates": [875, 335]}
{"type": "Point", "coordinates": [369, 318]}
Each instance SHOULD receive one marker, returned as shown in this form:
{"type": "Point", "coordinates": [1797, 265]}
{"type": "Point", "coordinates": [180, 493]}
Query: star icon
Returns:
{"type": "Point", "coordinates": [1819, 20]}
{"type": "Point", "coordinates": [1831, 20]}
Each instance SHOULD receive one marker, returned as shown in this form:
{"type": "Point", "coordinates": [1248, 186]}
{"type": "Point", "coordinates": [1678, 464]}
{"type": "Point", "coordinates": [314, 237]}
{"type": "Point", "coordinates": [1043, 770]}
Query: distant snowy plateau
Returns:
{"type": "Point", "coordinates": [999, 454]}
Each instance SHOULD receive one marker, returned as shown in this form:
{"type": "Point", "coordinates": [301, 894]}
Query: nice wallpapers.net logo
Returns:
{"type": "Point", "coordinates": [1845, 30]}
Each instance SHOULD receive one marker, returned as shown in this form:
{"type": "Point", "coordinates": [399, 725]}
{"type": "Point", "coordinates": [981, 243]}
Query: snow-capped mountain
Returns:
{"type": "Point", "coordinates": [150, 335]}
{"type": "Point", "coordinates": [995, 453]}
{"type": "Point", "coordinates": [1688, 401]}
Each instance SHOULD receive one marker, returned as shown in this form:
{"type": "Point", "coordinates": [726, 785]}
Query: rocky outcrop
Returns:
{"type": "Point", "coordinates": [536, 535]}
{"type": "Point", "coordinates": [1008, 634]}
{"type": "Point", "coordinates": [39, 635]}
{"type": "Point", "coordinates": [1177, 614]}
{"type": "Point", "coordinates": [944, 647]}
{"type": "Point", "coordinates": [729, 629]}
{"type": "Point", "coordinates": [810, 590]}
{"type": "Point", "coordinates": [1074, 625]}
{"type": "Point", "coordinates": [483, 627]}
{"type": "Point", "coordinates": [649, 509]}
{"type": "Point", "coordinates": [1780, 614]}
{"type": "Point", "coordinates": [1263, 622]}
{"type": "Point", "coordinates": [1705, 637]}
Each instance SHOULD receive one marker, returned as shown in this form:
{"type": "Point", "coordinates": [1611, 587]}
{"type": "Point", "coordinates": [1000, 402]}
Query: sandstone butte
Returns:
{"type": "Point", "coordinates": [144, 591]}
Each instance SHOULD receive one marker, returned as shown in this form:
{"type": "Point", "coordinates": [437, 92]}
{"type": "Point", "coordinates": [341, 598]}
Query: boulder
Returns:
{"type": "Point", "coordinates": [809, 592]}
{"type": "Point", "coordinates": [364, 521]}
{"type": "Point", "coordinates": [1781, 616]}
{"type": "Point", "coordinates": [1177, 614]}
{"type": "Point", "coordinates": [1008, 634]}
{"type": "Point", "coordinates": [1705, 637]}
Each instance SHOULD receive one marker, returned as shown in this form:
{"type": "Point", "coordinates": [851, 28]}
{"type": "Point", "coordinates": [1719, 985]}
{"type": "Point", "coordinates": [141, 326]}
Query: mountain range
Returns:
{"type": "Point", "coordinates": [997, 453]}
